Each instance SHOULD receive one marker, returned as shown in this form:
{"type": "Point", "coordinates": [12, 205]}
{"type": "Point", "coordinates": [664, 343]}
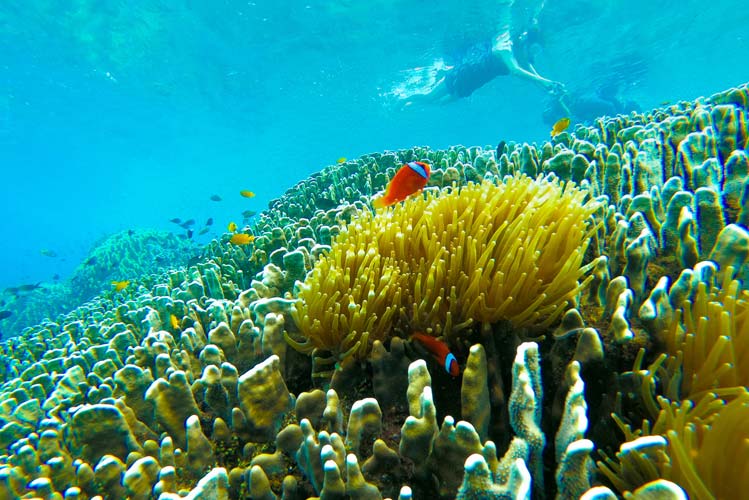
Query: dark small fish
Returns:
{"type": "Point", "coordinates": [56, 277]}
{"type": "Point", "coordinates": [500, 148]}
{"type": "Point", "coordinates": [187, 223]}
{"type": "Point", "coordinates": [189, 233]}
{"type": "Point", "coordinates": [325, 203]}
{"type": "Point", "coordinates": [90, 261]}
{"type": "Point", "coordinates": [176, 220]}
{"type": "Point", "coordinates": [193, 260]}
{"type": "Point", "coordinates": [130, 232]}
{"type": "Point", "coordinates": [29, 288]}
{"type": "Point", "coordinates": [209, 222]}
{"type": "Point", "coordinates": [48, 253]}
{"type": "Point", "coordinates": [161, 259]}
{"type": "Point", "coordinates": [204, 230]}
{"type": "Point", "coordinates": [215, 197]}
{"type": "Point", "coordinates": [248, 213]}
{"type": "Point", "coordinates": [5, 314]}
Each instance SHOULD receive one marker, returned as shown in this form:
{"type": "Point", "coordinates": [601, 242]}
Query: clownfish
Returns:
{"type": "Point", "coordinates": [440, 351]}
{"type": "Point", "coordinates": [560, 126]}
{"type": "Point", "coordinates": [409, 179]}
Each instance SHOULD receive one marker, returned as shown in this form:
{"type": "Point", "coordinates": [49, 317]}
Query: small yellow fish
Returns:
{"type": "Point", "coordinates": [247, 194]}
{"type": "Point", "coordinates": [242, 239]}
{"type": "Point", "coordinates": [120, 285]}
{"type": "Point", "coordinates": [232, 226]}
{"type": "Point", "coordinates": [342, 159]}
{"type": "Point", "coordinates": [560, 126]}
{"type": "Point", "coordinates": [174, 321]}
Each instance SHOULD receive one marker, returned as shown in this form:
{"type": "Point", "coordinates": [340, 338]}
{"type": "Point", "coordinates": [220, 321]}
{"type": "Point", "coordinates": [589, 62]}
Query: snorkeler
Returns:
{"type": "Point", "coordinates": [606, 93]}
{"type": "Point", "coordinates": [482, 62]}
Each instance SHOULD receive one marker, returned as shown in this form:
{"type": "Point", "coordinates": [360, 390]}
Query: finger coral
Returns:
{"type": "Point", "coordinates": [485, 252]}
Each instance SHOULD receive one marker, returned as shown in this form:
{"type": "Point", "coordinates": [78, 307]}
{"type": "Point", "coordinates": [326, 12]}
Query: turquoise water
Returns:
{"type": "Point", "coordinates": [118, 116]}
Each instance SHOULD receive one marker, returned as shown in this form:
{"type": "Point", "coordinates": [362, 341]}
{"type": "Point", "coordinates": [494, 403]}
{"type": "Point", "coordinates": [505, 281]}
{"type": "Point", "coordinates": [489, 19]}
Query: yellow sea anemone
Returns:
{"type": "Point", "coordinates": [698, 438]}
{"type": "Point", "coordinates": [710, 336]}
{"type": "Point", "coordinates": [439, 262]}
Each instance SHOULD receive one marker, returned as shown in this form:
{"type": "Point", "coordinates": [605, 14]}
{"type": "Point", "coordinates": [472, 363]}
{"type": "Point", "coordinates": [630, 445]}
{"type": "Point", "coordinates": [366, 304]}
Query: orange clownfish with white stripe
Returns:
{"type": "Point", "coordinates": [409, 179]}
{"type": "Point", "coordinates": [440, 351]}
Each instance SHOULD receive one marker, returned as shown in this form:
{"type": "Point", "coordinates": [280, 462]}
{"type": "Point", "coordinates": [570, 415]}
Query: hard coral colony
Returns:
{"type": "Point", "coordinates": [592, 290]}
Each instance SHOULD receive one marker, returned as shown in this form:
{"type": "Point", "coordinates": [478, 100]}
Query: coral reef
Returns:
{"type": "Point", "coordinates": [633, 385]}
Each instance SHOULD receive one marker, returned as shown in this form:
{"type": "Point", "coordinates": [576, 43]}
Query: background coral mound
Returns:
{"type": "Point", "coordinates": [485, 252]}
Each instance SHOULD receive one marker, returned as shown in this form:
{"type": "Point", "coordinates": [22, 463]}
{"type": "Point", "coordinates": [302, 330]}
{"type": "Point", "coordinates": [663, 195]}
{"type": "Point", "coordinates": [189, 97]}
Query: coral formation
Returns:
{"type": "Point", "coordinates": [183, 386]}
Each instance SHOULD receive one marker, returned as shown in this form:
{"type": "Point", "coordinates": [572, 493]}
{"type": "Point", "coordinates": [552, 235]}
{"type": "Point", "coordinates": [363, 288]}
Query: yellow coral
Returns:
{"type": "Point", "coordinates": [438, 262]}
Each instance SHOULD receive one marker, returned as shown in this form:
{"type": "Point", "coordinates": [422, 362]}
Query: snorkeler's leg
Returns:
{"type": "Point", "coordinates": [435, 94]}
{"type": "Point", "coordinates": [509, 59]}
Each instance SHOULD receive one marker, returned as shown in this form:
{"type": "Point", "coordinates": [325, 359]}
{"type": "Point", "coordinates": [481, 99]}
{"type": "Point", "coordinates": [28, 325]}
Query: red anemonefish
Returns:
{"type": "Point", "coordinates": [409, 179]}
{"type": "Point", "coordinates": [440, 351]}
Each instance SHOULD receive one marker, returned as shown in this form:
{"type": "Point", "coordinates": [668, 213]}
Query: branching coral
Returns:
{"type": "Point", "coordinates": [485, 252]}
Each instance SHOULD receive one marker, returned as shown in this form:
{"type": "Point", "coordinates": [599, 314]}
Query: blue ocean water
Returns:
{"type": "Point", "coordinates": [122, 115]}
